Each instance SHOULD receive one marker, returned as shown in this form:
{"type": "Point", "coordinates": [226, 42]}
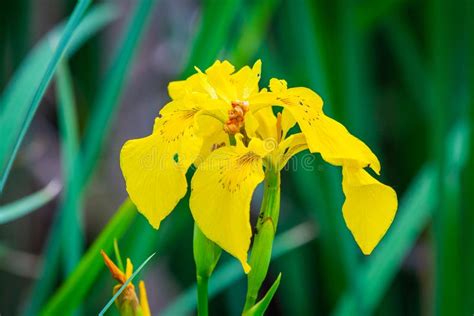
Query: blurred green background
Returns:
{"type": "Point", "coordinates": [80, 78]}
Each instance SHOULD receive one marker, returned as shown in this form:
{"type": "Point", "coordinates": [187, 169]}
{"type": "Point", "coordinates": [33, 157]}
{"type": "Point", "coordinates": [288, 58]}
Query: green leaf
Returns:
{"type": "Point", "coordinates": [26, 205]}
{"type": "Point", "coordinates": [260, 308]}
{"type": "Point", "coordinates": [256, 24]}
{"type": "Point", "coordinates": [72, 235]}
{"type": "Point", "coordinates": [96, 130]}
{"type": "Point", "coordinates": [216, 21]}
{"type": "Point", "coordinates": [134, 274]}
{"type": "Point", "coordinates": [75, 289]}
{"type": "Point", "coordinates": [231, 271]}
{"type": "Point", "coordinates": [25, 91]}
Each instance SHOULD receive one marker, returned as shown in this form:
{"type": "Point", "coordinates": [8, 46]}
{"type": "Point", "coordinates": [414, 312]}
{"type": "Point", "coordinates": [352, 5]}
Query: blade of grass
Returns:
{"type": "Point", "coordinates": [468, 214]}
{"type": "Point", "coordinates": [256, 24]}
{"type": "Point", "coordinates": [96, 130]}
{"type": "Point", "coordinates": [260, 308]}
{"type": "Point", "coordinates": [76, 287]}
{"type": "Point", "coordinates": [134, 274]}
{"type": "Point", "coordinates": [11, 145]}
{"type": "Point", "coordinates": [416, 209]}
{"type": "Point", "coordinates": [17, 91]}
{"type": "Point", "coordinates": [72, 235]}
{"type": "Point", "coordinates": [17, 103]}
{"type": "Point", "coordinates": [447, 217]}
{"type": "Point", "coordinates": [216, 20]}
{"type": "Point", "coordinates": [409, 60]}
{"type": "Point", "coordinates": [231, 271]}
{"type": "Point", "coordinates": [26, 205]}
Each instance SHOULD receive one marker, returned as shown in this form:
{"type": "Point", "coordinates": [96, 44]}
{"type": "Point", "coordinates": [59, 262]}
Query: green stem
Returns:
{"type": "Point", "coordinates": [202, 283]}
{"type": "Point", "coordinates": [206, 256]}
{"type": "Point", "coordinates": [265, 233]}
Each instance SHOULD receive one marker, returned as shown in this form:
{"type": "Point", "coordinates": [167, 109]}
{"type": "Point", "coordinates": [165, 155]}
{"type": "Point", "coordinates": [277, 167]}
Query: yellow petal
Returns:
{"type": "Point", "coordinates": [287, 122]}
{"type": "Point", "coordinates": [246, 80]}
{"type": "Point", "coordinates": [323, 134]}
{"type": "Point", "coordinates": [267, 123]}
{"type": "Point", "coordinates": [219, 77]}
{"type": "Point", "coordinates": [154, 167]}
{"type": "Point", "coordinates": [288, 148]}
{"type": "Point", "coordinates": [369, 207]}
{"type": "Point", "coordinates": [128, 269]}
{"type": "Point", "coordinates": [144, 299]}
{"type": "Point", "coordinates": [222, 189]}
{"type": "Point", "coordinates": [212, 142]}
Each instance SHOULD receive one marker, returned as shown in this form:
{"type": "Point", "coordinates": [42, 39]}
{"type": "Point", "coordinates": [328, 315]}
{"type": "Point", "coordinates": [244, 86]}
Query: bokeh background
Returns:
{"type": "Point", "coordinates": [399, 74]}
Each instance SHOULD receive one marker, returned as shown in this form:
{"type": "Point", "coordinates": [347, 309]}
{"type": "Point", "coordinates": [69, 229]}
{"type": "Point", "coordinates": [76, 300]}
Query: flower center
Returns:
{"type": "Point", "coordinates": [236, 117]}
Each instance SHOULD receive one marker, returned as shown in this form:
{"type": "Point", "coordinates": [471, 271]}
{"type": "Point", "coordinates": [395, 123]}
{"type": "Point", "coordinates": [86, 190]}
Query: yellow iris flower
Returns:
{"type": "Point", "coordinates": [221, 122]}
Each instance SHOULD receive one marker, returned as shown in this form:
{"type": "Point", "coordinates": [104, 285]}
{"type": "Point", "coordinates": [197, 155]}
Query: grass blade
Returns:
{"type": "Point", "coordinates": [252, 32]}
{"type": "Point", "coordinates": [260, 308]}
{"type": "Point", "coordinates": [112, 300]}
{"type": "Point", "coordinates": [72, 235]}
{"type": "Point", "coordinates": [216, 21]}
{"type": "Point", "coordinates": [25, 206]}
{"type": "Point", "coordinates": [12, 144]}
{"type": "Point", "coordinates": [231, 271]}
{"type": "Point", "coordinates": [75, 289]}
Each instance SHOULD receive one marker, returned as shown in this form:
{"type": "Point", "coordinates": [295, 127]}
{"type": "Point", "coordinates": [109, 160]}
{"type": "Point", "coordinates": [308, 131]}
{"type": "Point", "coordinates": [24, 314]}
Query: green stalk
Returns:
{"type": "Point", "coordinates": [202, 283]}
{"type": "Point", "coordinates": [265, 233]}
{"type": "Point", "coordinates": [206, 255]}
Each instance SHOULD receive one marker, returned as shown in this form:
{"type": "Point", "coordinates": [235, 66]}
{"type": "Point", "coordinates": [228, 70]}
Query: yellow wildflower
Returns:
{"type": "Point", "coordinates": [127, 302]}
{"type": "Point", "coordinates": [221, 122]}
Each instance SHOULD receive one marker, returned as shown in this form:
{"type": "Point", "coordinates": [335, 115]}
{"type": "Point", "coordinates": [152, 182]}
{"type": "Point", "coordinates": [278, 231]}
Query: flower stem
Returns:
{"type": "Point", "coordinates": [206, 256]}
{"type": "Point", "coordinates": [264, 235]}
{"type": "Point", "coordinates": [202, 295]}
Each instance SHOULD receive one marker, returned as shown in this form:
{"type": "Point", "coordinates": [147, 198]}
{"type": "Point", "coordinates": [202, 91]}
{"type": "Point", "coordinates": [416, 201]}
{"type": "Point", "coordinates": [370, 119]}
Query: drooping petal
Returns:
{"type": "Point", "coordinates": [369, 207]}
{"type": "Point", "coordinates": [154, 167]}
{"type": "Point", "coordinates": [323, 134]}
{"type": "Point", "coordinates": [222, 189]}
{"type": "Point", "coordinates": [154, 181]}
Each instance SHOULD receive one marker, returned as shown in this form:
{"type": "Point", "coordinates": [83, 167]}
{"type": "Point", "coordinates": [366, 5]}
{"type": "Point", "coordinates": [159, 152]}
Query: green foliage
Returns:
{"type": "Point", "coordinates": [399, 84]}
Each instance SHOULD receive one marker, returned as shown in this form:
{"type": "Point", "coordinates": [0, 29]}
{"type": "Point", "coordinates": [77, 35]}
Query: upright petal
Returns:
{"type": "Point", "coordinates": [222, 189]}
{"type": "Point", "coordinates": [369, 207]}
{"type": "Point", "coordinates": [219, 77]}
{"type": "Point", "coordinates": [246, 80]}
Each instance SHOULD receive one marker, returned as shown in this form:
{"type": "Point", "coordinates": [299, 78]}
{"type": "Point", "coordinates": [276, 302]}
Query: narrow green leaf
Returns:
{"type": "Point", "coordinates": [96, 130]}
{"type": "Point", "coordinates": [118, 257]}
{"type": "Point", "coordinates": [15, 127]}
{"type": "Point", "coordinates": [216, 20]}
{"type": "Point", "coordinates": [75, 289]}
{"type": "Point", "coordinates": [253, 31]}
{"type": "Point", "coordinates": [72, 235]}
{"type": "Point", "coordinates": [134, 274]}
{"type": "Point", "coordinates": [260, 308]}
{"type": "Point", "coordinates": [26, 205]}
{"type": "Point", "coordinates": [232, 271]}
